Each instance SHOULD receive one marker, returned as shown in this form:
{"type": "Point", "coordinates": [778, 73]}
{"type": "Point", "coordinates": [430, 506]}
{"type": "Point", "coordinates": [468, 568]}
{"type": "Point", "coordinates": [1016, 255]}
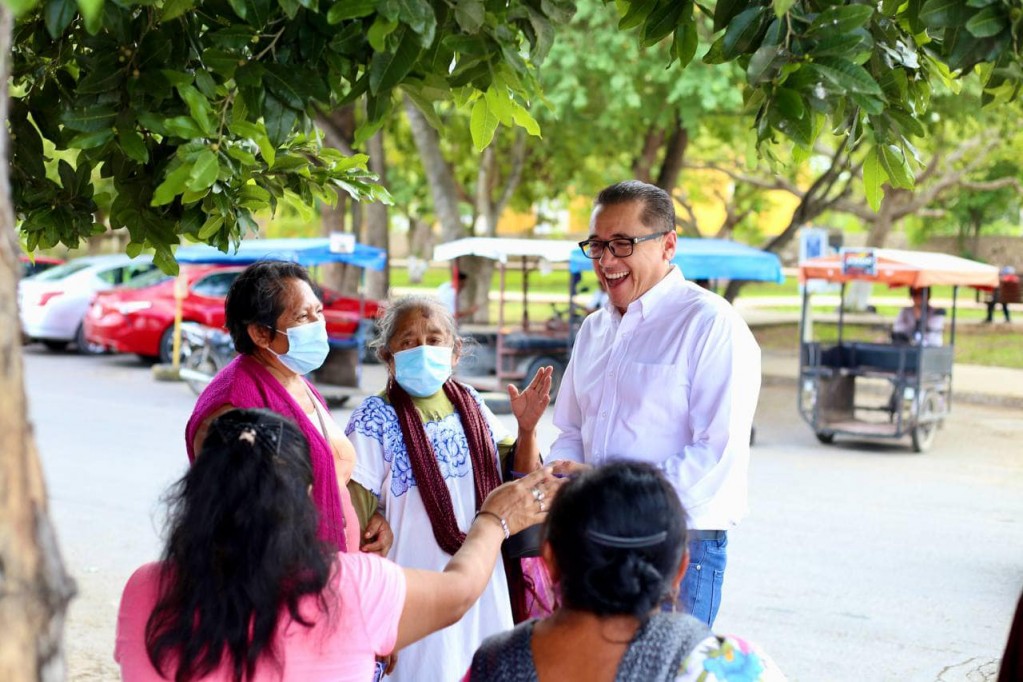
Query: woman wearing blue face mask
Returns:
{"type": "Point", "coordinates": [277, 325]}
{"type": "Point", "coordinates": [429, 453]}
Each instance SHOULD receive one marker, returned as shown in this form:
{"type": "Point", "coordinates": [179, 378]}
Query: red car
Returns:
{"type": "Point", "coordinates": [140, 318]}
{"type": "Point", "coordinates": [33, 266]}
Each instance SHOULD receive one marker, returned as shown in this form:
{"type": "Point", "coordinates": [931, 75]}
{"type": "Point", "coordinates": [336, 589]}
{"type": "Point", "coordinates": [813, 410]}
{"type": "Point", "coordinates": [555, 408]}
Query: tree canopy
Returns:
{"type": "Point", "coordinates": [179, 119]}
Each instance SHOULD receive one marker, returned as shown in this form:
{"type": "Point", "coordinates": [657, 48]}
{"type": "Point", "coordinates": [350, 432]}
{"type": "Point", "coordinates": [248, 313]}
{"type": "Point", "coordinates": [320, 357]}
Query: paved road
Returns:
{"type": "Point", "coordinates": [858, 562]}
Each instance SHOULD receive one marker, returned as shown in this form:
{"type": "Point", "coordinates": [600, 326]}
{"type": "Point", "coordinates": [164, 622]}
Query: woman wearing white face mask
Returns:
{"type": "Point", "coordinates": [429, 453]}
{"type": "Point", "coordinates": [277, 324]}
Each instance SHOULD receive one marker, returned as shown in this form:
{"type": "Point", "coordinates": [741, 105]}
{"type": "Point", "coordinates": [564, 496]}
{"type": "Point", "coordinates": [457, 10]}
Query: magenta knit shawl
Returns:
{"type": "Point", "coordinates": [244, 383]}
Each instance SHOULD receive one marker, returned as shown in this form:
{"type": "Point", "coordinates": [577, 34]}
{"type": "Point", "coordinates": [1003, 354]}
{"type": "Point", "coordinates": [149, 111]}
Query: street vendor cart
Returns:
{"type": "Point", "coordinates": [882, 390]}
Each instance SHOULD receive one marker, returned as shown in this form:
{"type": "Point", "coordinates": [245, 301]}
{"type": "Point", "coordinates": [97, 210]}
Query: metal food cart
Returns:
{"type": "Point", "coordinates": [881, 390]}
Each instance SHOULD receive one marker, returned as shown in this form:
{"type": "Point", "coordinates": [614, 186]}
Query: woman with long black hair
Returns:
{"type": "Point", "coordinates": [247, 590]}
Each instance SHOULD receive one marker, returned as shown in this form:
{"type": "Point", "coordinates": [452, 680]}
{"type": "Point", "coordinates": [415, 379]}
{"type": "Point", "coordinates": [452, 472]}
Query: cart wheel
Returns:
{"type": "Point", "coordinates": [826, 437]}
{"type": "Point", "coordinates": [556, 375]}
{"type": "Point", "coordinates": [922, 435]}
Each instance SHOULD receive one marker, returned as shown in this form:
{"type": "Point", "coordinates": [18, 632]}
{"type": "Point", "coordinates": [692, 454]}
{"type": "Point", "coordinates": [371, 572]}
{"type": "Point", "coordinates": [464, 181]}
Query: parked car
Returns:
{"type": "Point", "coordinates": [33, 265]}
{"type": "Point", "coordinates": [53, 303]}
{"type": "Point", "coordinates": [139, 318]}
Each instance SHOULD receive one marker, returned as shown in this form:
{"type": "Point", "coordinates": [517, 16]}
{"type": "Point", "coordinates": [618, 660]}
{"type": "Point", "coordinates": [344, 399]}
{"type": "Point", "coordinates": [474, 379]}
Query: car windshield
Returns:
{"type": "Point", "coordinates": [146, 279]}
{"type": "Point", "coordinates": [61, 272]}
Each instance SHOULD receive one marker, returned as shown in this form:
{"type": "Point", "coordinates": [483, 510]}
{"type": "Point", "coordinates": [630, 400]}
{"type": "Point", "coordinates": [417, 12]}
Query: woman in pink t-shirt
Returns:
{"type": "Point", "coordinates": [246, 590]}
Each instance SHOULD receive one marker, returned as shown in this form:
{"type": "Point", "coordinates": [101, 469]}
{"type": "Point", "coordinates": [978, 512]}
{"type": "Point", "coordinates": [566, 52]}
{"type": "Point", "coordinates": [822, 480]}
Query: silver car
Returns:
{"type": "Point", "coordinates": [53, 303]}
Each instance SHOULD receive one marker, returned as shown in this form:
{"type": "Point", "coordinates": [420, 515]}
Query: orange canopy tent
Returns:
{"type": "Point", "coordinates": [898, 268]}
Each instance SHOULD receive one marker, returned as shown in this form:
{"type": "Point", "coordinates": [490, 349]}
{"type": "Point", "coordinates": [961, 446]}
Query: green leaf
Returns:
{"type": "Point", "coordinates": [687, 40]}
{"type": "Point", "coordinates": [841, 19]}
{"type": "Point", "coordinates": [198, 107]}
{"type": "Point", "coordinates": [387, 69]}
{"type": "Point", "coordinates": [133, 145]}
{"type": "Point", "coordinates": [637, 13]}
{"type": "Point", "coordinates": [182, 126]}
{"type": "Point", "coordinates": [279, 120]}
{"type": "Point", "coordinates": [943, 13]}
{"type": "Point", "coordinates": [846, 76]}
{"type": "Point", "coordinates": [500, 105]}
{"type": "Point", "coordinates": [524, 119]}
{"type": "Point", "coordinates": [762, 64]}
{"type": "Point", "coordinates": [873, 179]}
{"type": "Point", "coordinates": [91, 9]}
{"type": "Point", "coordinates": [350, 9]}
{"type": "Point", "coordinates": [211, 227]}
{"type": "Point", "coordinates": [204, 171]}
{"type": "Point", "coordinates": [89, 120]}
{"type": "Point", "coordinates": [661, 22]}
{"type": "Point", "coordinates": [174, 184]}
{"type": "Point", "coordinates": [482, 124]}
{"type": "Point", "coordinates": [221, 62]}
{"type": "Point", "coordinates": [58, 15]}
{"type": "Point", "coordinates": [419, 16]}
{"type": "Point", "coordinates": [560, 11]}
{"type": "Point", "coordinates": [896, 166]}
{"type": "Point", "coordinates": [469, 15]}
{"type": "Point", "coordinates": [91, 140]}
{"type": "Point", "coordinates": [725, 11]}
{"type": "Point", "coordinates": [172, 9]}
{"type": "Point", "coordinates": [378, 32]}
{"type": "Point", "coordinates": [986, 23]}
{"type": "Point", "coordinates": [781, 7]}
{"type": "Point", "coordinates": [133, 249]}
{"type": "Point", "coordinates": [256, 133]}
{"type": "Point", "coordinates": [544, 33]}
{"type": "Point", "coordinates": [743, 32]}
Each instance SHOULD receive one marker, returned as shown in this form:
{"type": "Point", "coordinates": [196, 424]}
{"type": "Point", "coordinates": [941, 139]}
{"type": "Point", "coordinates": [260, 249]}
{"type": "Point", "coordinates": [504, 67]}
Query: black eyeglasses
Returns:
{"type": "Point", "coordinates": [622, 247]}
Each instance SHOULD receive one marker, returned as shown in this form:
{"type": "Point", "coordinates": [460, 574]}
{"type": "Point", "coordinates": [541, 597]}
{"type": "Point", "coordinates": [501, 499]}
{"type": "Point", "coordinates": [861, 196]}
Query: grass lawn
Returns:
{"type": "Point", "coordinates": [994, 345]}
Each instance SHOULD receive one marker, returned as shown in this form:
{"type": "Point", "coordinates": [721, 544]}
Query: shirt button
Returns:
{"type": "Point", "coordinates": [603, 414]}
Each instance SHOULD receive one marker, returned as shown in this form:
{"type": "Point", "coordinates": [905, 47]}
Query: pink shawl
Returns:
{"type": "Point", "coordinates": [244, 383]}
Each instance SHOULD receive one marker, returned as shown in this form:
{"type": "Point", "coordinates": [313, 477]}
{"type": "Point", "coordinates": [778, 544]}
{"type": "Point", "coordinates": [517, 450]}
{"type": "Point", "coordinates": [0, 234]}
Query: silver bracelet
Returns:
{"type": "Point", "coordinates": [504, 524]}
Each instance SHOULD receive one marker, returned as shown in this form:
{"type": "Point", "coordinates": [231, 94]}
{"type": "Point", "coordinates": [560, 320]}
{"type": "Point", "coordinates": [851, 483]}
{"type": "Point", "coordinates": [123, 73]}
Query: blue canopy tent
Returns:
{"type": "Point", "coordinates": [711, 259]}
{"type": "Point", "coordinates": [308, 252]}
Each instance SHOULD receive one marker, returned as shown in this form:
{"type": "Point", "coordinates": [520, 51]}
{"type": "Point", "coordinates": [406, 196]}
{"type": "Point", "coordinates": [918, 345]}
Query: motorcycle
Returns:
{"type": "Point", "coordinates": [209, 351]}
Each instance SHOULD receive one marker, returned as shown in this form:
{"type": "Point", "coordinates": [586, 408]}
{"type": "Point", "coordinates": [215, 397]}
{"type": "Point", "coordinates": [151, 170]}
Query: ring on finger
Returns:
{"type": "Point", "coordinates": [537, 494]}
{"type": "Point", "coordinates": [542, 507]}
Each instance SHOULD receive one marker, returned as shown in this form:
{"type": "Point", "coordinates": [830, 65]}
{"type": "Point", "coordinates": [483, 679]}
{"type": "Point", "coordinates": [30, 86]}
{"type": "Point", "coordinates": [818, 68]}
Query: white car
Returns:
{"type": "Point", "coordinates": [53, 303]}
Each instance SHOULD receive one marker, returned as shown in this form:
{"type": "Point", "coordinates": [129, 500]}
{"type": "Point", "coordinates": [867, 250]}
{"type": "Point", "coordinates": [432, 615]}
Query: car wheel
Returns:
{"type": "Point", "coordinates": [85, 347]}
{"type": "Point", "coordinates": [55, 345]}
{"type": "Point", "coordinates": [167, 346]}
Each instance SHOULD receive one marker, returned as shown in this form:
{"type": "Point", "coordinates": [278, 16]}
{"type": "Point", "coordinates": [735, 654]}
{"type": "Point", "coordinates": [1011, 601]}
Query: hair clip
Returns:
{"type": "Point", "coordinates": [625, 542]}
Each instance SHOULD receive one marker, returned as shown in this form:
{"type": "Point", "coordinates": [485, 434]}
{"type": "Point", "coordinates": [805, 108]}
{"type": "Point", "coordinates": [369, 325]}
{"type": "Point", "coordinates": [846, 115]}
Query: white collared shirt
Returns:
{"type": "Point", "coordinates": [673, 382]}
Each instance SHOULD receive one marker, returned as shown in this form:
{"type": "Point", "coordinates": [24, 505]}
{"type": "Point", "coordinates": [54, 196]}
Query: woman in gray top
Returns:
{"type": "Point", "coordinates": [616, 546]}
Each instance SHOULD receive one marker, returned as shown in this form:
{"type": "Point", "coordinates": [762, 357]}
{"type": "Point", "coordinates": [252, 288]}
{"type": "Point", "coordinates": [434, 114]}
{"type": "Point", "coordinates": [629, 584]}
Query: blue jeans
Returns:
{"type": "Point", "coordinates": [701, 586]}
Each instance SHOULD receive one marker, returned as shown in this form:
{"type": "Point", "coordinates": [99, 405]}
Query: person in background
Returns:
{"type": "Point", "coordinates": [1008, 290]}
{"type": "Point", "coordinates": [448, 296]}
{"type": "Point", "coordinates": [277, 325]}
{"type": "Point", "coordinates": [919, 324]}
{"type": "Point", "coordinates": [669, 374]}
{"type": "Point", "coordinates": [616, 545]}
{"type": "Point", "coordinates": [429, 451]}
{"type": "Point", "coordinates": [247, 589]}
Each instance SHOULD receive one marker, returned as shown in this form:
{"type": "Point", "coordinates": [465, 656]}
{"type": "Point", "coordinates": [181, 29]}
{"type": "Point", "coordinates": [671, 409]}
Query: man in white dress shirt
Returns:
{"type": "Point", "coordinates": [668, 374]}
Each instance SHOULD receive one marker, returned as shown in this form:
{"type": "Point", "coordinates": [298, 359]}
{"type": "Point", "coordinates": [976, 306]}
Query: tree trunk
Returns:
{"type": "Point", "coordinates": [339, 132]}
{"type": "Point", "coordinates": [377, 233]}
{"type": "Point", "coordinates": [674, 157]}
{"type": "Point", "coordinates": [885, 218]}
{"type": "Point", "coordinates": [443, 189]}
{"type": "Point", "coordinates": [642, 165]}
{"type": "Point", "coordinates": [34, 586]}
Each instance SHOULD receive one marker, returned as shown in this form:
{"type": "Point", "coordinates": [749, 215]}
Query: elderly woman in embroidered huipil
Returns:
{"type": "Point", "coordinates": [429, 452]}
